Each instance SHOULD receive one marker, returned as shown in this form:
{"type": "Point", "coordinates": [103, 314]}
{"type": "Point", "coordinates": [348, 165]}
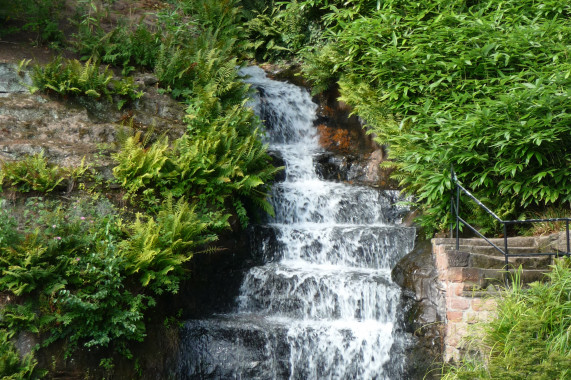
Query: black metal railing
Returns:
{"type": "Point", "coordinates": [458, 189]}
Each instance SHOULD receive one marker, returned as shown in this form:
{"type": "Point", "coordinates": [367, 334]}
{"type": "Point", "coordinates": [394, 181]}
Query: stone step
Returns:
{"type": "Point", "coordinates": [518, 241]}
{"type": "Point", "coordinates": [477, 279]}
{"type": "Point", "coordinates": [495, 262]}
{"type": "Point", "coordinates": [491, 251]}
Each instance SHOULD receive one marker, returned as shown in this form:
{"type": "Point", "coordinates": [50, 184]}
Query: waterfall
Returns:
{"type": "Point", "coordinates": [322, 305]}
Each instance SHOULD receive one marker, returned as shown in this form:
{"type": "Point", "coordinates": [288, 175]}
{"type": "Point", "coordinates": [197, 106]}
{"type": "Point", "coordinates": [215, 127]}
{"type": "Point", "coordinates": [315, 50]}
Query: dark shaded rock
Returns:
{"type": "Point", "coordinates": [245, 347]}
{"type": "Point", "coordinates": [214, 281]}
{"type": "Point", "coordinates": [423, 310]}
{"type": "Point", "coordinates": [265, 243]}
{"type": "Point", "coordinates": [358, 169]}
{"type": "Point", "coordinates": [278, 161]}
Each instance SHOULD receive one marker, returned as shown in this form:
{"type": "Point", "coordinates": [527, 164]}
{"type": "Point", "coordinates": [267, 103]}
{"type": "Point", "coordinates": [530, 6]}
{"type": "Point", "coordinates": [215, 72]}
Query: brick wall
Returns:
{"type": "Point", "coordinates": [464, 306]}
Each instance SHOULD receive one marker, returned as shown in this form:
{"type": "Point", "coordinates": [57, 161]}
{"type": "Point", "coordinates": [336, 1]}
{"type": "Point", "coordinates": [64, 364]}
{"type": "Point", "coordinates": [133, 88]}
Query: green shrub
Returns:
{"type": "Point", "coordinates": [93, 305]}
{"type": "Point", "coordinates": [156, 248]}
{"type": "Point", "coordinates": [282, 30]}
{"type": "Point", "coordinates": [88, 272]}
{"type": "Point", "coordinates": [125, 46]}
{"type": "Point", "coordinates": [84, 276]}
{"type": "Point", "coordinates": [223, 16]}
{"type": "Point", "coordinates": [220, 163]}
{"type": "Point", "coordinates": [213, 166]}
{"type": "Point", "coordinates": [41, 17]}
{"type": "Point", "coordinates": [205, 64]}
{"type": "Point", "coordinates": [277, 33]}
{"type": "Point", "coordinates": [481, 86]}
{"type": "Point", "coordinates": [73, 78]}
{"type": "Point", "coordinates": [33, 173]}
{"type": "Point", "coordinates": [139, 167]}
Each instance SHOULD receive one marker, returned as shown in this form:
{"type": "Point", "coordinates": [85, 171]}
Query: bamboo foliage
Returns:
{"type": "Point", "coordinates": [484, 87]}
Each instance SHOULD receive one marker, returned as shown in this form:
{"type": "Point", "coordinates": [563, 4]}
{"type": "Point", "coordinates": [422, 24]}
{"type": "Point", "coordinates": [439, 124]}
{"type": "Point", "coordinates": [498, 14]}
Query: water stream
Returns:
{"type": "Point", "coordinates": [323, 305]}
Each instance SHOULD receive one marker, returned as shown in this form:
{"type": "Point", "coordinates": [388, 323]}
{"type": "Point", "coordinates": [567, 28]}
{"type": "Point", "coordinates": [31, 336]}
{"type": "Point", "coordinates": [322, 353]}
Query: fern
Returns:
{"type": "Point", "coordinates": [157, 248]}
{"type": "Point", "coordinates": [33, 173]}
{"type": "Point", "coordinates": [138, 167]}
{"type": "Point", "coordinates": [71, 77]}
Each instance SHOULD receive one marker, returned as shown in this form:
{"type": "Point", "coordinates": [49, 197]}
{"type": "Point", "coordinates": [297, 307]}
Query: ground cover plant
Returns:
{"type": "Point", "coordinates": [33, 173]}
{"type": "Point", "coordinates": [71, 77]}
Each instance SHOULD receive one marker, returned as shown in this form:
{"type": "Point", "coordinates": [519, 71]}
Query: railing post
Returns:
{"type": "Point", "coordinates": [452, 214]}
{"type": "Point", "coordinates": [457, 221]}
{"type": "Point", "coordinates": [506, 263]}
{"type": "Point", "coordinates": [567, 229]}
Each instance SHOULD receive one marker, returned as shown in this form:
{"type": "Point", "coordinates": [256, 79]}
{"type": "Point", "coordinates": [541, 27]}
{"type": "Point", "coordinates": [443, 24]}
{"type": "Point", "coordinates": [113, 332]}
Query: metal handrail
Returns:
{"type": "Point", "coordinates": [457, 189]}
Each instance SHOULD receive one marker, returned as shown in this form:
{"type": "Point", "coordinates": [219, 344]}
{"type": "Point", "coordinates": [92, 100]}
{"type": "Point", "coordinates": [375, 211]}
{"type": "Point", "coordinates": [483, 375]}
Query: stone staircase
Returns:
{"type": "Point", "coordinates": [474, 272]}
{"type": "Point", "coordinates": [478, 265]}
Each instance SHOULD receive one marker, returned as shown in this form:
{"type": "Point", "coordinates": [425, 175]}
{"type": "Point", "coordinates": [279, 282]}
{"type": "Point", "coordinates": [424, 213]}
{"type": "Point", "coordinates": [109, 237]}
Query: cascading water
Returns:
{"type": "Point", "coordinates": [322, 306]}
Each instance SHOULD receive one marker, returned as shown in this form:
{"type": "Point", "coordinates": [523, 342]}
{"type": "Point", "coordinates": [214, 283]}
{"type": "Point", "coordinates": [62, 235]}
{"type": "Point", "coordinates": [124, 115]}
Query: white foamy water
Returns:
{"type": "Point", "coordinates": [323, 306]}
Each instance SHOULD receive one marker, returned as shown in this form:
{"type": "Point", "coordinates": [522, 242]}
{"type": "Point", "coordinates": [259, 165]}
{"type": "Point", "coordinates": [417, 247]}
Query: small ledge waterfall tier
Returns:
{"type": "Point", "coordinates": [322, 305]}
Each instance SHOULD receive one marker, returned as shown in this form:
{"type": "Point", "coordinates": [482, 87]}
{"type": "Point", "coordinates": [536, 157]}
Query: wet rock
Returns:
{"type": "Point", "coordinates": [332, 167]}
{"type": "Point", "coordinates": [265, 244]}
{"type": "Point", "coordinates": [362, 170]}
{"type": "Point", "coordinates": [423, 310]}
{"type": "Point", "coordinates": [233, 348]}
{"type": "Point", "coordinates": [337, 121]}
{"type": "Point", "coordinates": [278, 161]}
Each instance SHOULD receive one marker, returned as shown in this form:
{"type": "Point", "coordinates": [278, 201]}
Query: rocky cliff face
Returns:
{"type": "Point", "coordinates": [351, 154]}
{"type": "Point", "coordinates": [67, 130]}
{"type": "Point", "coordinates": [423, 310]}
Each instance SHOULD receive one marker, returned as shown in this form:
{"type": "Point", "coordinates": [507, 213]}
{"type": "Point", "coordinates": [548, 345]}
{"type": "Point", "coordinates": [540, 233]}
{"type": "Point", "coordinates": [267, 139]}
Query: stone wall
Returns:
{"type": "Point", "coordinates": [422, 312]}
